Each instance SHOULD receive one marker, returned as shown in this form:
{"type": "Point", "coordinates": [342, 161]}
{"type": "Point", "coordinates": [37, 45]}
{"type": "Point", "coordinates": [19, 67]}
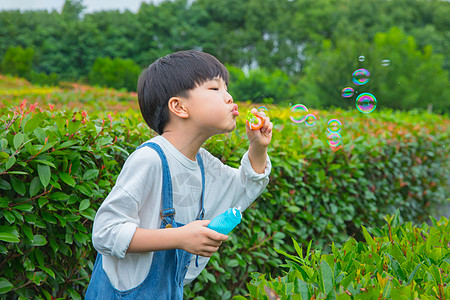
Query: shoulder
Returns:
{"type": "Point", "coordinates": [143, 158]}
{"type": "Point", "coordinates": [207, 157]}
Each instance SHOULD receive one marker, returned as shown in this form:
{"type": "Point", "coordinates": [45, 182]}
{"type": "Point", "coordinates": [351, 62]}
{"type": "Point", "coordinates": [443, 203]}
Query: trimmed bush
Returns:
{"type": "Point", "coordinates": [397, 261]}
{"type": "Point", "coordinates": [55, 170]}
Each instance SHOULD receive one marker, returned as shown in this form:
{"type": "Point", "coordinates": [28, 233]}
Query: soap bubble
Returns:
{"type": "Point", "coordinates": [366, 103]}
{"type": "Point", "coordinates": [264, 111]}
{"type": "Point", "coordinates": [310, 120]}
{"type": "Point", "coordinates": [361, 76]}
{"type": "Point", "coordinates": [361, 58]}
{"type": "Point", "coordinates": [298, 113]}
{"type": "Point", "coordinates": [347, 92]}
{"type": "Point", "coordinates": [386, 62]}
{"type": "Point", "coordinates": [334, 125]}
{"type": "Point", "coordinates": [334, 139]}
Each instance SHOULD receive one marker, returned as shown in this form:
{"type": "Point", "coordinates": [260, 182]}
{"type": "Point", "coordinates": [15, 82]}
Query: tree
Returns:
{"type": "Point", "coordinates": [72, 9]}
{"type": "Point", "coordinates": [116, 73]}
{"type": "Point", "coordinates": [259, 85]}
{"type": "Point", "coordinates": [18, 61]}
{"type": "Point", "coordinates": [413, 79]}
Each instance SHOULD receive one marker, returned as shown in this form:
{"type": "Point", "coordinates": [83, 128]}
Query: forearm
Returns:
{"type": "Point", "coordinates": [148, 240]}
{"type": "Point", "coordinates": [258, 158]}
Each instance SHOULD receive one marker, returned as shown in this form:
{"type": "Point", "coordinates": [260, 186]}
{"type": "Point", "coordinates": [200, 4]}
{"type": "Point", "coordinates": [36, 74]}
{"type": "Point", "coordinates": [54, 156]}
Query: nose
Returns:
{"type": "Point", "coordinates": [228, 97]}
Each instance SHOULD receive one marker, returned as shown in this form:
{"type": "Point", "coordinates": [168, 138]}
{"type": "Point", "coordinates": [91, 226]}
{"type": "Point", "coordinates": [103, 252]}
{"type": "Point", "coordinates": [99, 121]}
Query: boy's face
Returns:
{"type": "Point", "coordinates": [211, 108]}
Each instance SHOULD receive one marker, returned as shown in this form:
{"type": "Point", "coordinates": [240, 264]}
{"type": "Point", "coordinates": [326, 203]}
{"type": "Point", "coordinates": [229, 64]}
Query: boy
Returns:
{"type": "Point", "coordinates": [145, 250]}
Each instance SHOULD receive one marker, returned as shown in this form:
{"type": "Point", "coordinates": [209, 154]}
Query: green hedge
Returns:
{"type": "Point", "coordinates": [56, 167]}
{"type": "Point", "coordinates": [400, 261]}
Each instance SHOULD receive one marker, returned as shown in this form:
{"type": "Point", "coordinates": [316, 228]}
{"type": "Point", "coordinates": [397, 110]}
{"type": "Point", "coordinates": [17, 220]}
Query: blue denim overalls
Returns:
{"type": "Point", "coordinates": [169, 267]}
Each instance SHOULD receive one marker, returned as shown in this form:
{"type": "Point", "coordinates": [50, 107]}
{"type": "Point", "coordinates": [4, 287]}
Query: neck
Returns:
{"type": "Point", "coordinates": [188, 145]}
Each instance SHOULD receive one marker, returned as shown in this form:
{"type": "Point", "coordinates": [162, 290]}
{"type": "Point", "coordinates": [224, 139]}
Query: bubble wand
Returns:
{"type": "Point", "coordinates": [254, 120]}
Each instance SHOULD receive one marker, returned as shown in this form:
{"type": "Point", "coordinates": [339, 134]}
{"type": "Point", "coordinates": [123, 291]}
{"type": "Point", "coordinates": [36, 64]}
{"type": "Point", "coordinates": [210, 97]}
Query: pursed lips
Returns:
{"type": "Point", "coordinates": [235, 110]}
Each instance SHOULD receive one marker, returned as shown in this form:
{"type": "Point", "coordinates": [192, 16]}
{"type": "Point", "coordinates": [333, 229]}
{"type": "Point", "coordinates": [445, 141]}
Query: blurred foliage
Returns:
{"type": "Point", "coordinates": [298, 50]}
{"type": "Point", "coordinates": [116, 73]}
{"type": "Point", "coordinates": [401, 75]}
{"type": "Point", "coordinates": [17, 61]}
{"type": "Point", "coordinates": [400, 261]}
{"type": "Point", "coordinates": [61, 155]}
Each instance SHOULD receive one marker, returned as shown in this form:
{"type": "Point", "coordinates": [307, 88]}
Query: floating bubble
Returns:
{"type": "Point", "coordinates": [366, 103]}
{"type": "Point", "coordinates": [360, 76]}
{"type": "Point", "coordinates": [310, 120]}
{"type": "Point", "coordinates": [347, 92]}
{"type": "Point", "coordinates": [386, 62]}
{"type": "Point", "coordinates": [361, 58]}
{"type": "Point", "coordinates": [264, 110]}
{"type": "Point", "coordinates": [334, 139]}
{"type": "Point", "coordinates": [334, 125]}
{"type": "Point", "coordinates": [298, 113]}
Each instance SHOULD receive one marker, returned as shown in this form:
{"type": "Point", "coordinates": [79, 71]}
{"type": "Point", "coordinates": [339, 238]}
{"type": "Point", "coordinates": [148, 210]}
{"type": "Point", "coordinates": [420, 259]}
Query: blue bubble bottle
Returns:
{"type": "Point", "coordinates": [226, 221]}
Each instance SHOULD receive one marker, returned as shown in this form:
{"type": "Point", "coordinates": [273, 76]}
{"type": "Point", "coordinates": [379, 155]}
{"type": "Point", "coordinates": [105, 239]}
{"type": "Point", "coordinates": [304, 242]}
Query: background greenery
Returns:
{"type": "Point", "coordinates": [299, 51]}
{"type": "Point", "coordinates": [63, 142]}
{"type": "Point", "coordinates": [63, 148]}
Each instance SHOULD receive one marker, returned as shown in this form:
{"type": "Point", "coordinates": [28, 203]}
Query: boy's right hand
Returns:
{"type": "Point", "coordinates": [197, 239]}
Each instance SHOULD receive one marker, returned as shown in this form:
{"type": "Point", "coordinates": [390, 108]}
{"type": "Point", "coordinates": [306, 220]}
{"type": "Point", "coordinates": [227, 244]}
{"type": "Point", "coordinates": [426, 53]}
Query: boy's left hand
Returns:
{"type": "Point", "coordinates": [260, 138]}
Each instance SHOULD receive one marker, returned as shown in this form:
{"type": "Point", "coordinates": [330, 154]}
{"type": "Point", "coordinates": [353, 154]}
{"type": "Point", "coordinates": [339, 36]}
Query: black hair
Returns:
{"type": "Point", "coordinates": [174, 75]}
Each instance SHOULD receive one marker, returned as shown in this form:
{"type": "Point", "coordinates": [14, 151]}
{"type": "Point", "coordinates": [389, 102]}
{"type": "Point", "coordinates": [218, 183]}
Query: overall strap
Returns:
{"type": "Point", "coordinates": [202, 169]}
{"type": "Point", "coordinates": [202, 210]}
{"type": "Point", "coordinates": [168, 211]}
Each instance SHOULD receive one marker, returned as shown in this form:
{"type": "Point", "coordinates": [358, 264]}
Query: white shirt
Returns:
{"type": "Point", "coordinates": [135, 201]}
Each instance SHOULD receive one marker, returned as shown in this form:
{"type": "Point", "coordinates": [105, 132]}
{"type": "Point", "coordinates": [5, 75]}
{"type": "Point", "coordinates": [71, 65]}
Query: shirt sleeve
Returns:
{"type": "Point", "coordinates": [118, 217]}
{"type": "Point", "coordinates": [233, 187]}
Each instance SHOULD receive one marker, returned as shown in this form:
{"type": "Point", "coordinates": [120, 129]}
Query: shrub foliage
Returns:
{"type": "Point", "coordinates": [56, 167]}
{"type": "Point", "coordinates": [397, 261]}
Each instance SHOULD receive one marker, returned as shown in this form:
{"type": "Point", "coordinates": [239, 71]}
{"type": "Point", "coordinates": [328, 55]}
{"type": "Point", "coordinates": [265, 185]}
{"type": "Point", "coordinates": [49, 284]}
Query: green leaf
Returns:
{"type": "Point", "coordinates": [24, 207]}
{"type": "Point", "coordinates": [35, 186]}
{"type": "Point", "coordinates": [67, 144]}
{"type": "Point", "coordinates": [84, 204]}
{"type": "Point", "coordinates": [9, 216]}
{"type": "Point", "coordinates": [3, 156]}
{"type": "Point", "coordinates": [397, 268]}
{"type": "Point", "coordinates": [4, 185]}
{"type": "Point", "coordinates": [298, 249]}
{"type": "Point", "coordinates": [368, 237]}
{"type": "Point", "coordinates": [18, 140]}
{"type": "Point", "coordinates": [413, 273]}
{"type": "Point", "coordinates": [44, 174]}
{"type": "Point", "coordinates": [90, 174]}
{"type": "Point", "coordinates": [45, 162]}
{"type": "Point", "coordinates": [301, 287]}
{"type": "Point", "coordinates": [33, 123]}
{"type": "Point", "coordinates": [48, 271]}
{"type": "Point", "coordinates": [18, 186]}
{"type": "Point", "coordinates": [39, 240]}
{"type": "Point", "coordinates": [67, 179]}
{"type": "Point", "coordinates": [84, 188]}
{"type": "Point", "coordinates": [40, 134]}
{"type": "Point", "coordinates": [11, 161]}
{"type": "Point", "coordinates": [5, 285]}
{"type": "Point", "coordinates": [59, 196]}
{"type": "Point", "coordinates": [327, 277]}
{"type": "Point", "coordinates": [28, 232]}
{"type": "Point", "coordinates": [9, 237]}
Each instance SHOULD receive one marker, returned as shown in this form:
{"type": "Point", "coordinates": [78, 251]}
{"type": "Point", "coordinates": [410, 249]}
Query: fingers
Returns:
{"type": "Point", "coordinates": [216, 236]}
{"type": "Point", "coordinates": [208, 252]}
{"type": "Point", "coordinates": [267, 125]}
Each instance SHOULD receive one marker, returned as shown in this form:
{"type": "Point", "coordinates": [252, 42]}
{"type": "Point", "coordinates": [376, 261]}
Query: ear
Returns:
{"type": "Point", "coordinates": [177, 107]}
